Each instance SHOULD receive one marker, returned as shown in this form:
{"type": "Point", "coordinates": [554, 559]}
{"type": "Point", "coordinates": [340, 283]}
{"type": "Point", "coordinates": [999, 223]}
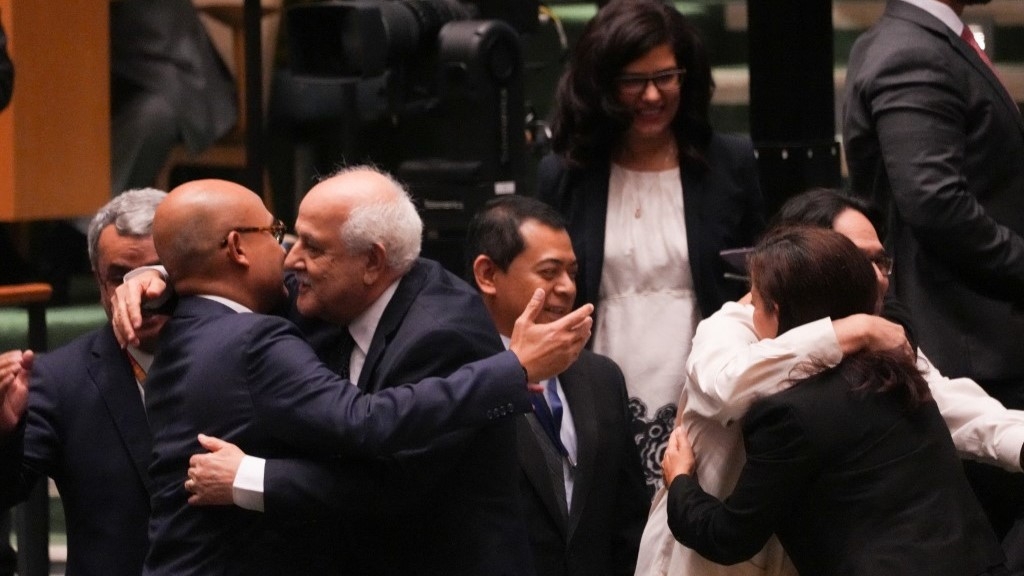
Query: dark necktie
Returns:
{"type": "Point", "coordinates": [343, 353]}
{"type": "Point", "coordinates": [549, 414]}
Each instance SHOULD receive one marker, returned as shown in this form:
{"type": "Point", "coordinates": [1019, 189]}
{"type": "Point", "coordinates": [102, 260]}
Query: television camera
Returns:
{"type": "Point", "coordinates": [430, 90]}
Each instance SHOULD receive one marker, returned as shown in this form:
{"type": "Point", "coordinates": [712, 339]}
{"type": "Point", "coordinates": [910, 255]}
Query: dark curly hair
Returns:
{"type": "Point", "coordinates": [589, 122]}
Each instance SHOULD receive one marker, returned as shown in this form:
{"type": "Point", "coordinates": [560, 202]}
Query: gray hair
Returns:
{"type": "Point", "coordinates": [130, 212]}
{"type": "Point", "coordinates": [393, 222]}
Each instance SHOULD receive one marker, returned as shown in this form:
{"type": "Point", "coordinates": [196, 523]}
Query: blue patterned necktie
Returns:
{"type": "Point", "coordinates": [550, 413]}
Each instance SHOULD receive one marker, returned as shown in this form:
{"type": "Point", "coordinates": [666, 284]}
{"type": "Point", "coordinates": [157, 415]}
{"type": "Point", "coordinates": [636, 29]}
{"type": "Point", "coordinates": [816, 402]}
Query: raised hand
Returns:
{"type": "Point", "coordinates": [126, 304]}
{"type": "Point", "coordinates": [15, 367]}
{"type": "Point", "coordinates": [546, 350]}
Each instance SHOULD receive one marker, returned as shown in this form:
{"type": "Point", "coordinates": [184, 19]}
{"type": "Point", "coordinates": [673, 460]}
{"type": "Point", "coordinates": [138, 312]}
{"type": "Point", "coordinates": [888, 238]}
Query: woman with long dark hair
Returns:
{"type": "Point", "coordinates": [853, 467]}
{"type": "Point", "coordinates": [651, 194]}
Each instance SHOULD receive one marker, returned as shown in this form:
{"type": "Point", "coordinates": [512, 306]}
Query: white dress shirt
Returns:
{"type": "Point", "coordinates": [941, 11]}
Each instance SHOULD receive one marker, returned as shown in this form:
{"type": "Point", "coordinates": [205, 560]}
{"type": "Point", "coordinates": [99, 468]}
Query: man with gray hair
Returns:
{"type": "Point", "coordinates": [380, 316]}
{"type": "Point", "coordinates": [85, 424]}
{"type": "Point", "coordinates": [448, 507]}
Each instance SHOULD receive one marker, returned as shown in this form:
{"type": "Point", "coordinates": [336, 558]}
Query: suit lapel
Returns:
{"type": "Point", "coordinates": [534, 457]}
{"type": "Point", "coordinates": [112, 375]}
{"type": "Point", "coordinates": [404, 297]}
{"type": "Point", "coordinates": [584, 417]}
{"type": "Point", "coordinates": [986, 72]}
{"type": "Point", "coordinates": [905, 11]}
{"type": "Point", "coordinates": [693, 192]}
{"type": "Point", "coordinates": [588, 240]}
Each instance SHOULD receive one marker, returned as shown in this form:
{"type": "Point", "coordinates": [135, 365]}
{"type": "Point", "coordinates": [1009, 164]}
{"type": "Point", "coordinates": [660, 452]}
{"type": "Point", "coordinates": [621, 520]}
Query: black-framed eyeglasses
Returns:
{"type": "Point", "coordinates": [277, 230]}
{"type": "Point", "coordinates": [883, 262]}
{"type": "Point", "coordinates": [664, 81]}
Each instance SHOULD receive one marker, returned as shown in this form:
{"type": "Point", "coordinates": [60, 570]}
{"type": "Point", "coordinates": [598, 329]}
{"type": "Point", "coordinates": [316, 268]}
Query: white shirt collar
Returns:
{"type": "Point", "coordinates": [227, 302]}
{"type": "Point", "coordinates": [364, 325]}
{"type": "Point", "coordinates": [941, 11]}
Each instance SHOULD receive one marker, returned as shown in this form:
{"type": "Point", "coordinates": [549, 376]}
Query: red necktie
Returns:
{"type": "Point", "coordinates": [968, 37]}
{"type": "Point", "coordinates": [137, 369]}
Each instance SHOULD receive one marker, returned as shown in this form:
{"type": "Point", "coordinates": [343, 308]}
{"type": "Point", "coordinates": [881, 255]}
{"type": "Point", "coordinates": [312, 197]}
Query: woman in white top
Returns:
{"type": "Point", "coordinates": [652, 195]}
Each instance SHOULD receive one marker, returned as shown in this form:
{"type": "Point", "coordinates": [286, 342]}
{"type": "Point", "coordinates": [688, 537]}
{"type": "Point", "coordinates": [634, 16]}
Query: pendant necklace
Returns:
{"type": "Point", "coordinates": [673, 154]}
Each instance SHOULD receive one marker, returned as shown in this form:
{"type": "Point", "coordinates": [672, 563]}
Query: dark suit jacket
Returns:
{"type": "Point", "coordinates": [160, 47]}
{"type": "Point", "coordinates": [601, 534]}
{"type": "Point", "coordinates": [723, 209]}
{"type": "Point", "coordinates": [86, 428]}
{"type": "Point", "coordinates": [447, 507]}
{"type": "Point", "coordinates": [930, 132]}
{"type": "Point", "coordinates": [853, 484]}
{"type": "Point", "coordinates": [252, 380]}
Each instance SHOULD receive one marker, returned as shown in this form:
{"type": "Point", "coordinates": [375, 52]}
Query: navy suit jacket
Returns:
{"type": "Point", "coordinates": [723, 209]}
{"type": "Point", "coordinates": [448, 506]}
{"type": "Point", "coordinates": [86, 428]}
{"type": "Point", "coordinates": [930, 133]}
{"type": "Point", "coordinates": [253, 381]}
{"type": "Point", "coordinates": [852, 483]}
{"type": "Point", "coordinates": [600, 535]}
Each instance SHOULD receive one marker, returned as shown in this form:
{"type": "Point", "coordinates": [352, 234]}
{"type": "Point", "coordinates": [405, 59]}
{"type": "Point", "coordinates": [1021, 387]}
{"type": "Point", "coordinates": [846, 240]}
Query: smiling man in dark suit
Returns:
{"type": "Point", "coordinates": [932, 133]}
{"type": "Point", "coordinates": [85, 426]}
{"type": "Point", "coordinates": [581, 485]}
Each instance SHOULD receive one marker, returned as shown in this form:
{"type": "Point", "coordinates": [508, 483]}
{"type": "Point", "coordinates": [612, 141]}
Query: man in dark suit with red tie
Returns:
{"type": "Point", "coordinates": [581, 484]}
{"type": "Point", "coordinates": [931, 133]}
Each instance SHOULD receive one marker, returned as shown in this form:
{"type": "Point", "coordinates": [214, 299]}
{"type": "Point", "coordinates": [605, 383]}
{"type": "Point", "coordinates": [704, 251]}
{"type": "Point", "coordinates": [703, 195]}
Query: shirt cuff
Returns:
{"type": "Point", "coordinates": [247, 490]}
{"type": "Point", "coordinates": [155, 267]}
{"type": "Point", "coordinates": [161, 300]}
{"type": "Point", "coordinates": [1011, 449]}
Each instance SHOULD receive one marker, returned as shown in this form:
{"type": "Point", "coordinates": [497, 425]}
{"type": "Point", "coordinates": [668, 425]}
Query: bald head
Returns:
{"type": "Point", "coordinates": [197, 232]}
{"type": "Point", "coordinates": [193, 219]}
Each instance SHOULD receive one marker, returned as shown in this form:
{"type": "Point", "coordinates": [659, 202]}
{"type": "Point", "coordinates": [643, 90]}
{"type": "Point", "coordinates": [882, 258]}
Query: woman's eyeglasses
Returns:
{"type": "Point", "coordinates": [664, 81]}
